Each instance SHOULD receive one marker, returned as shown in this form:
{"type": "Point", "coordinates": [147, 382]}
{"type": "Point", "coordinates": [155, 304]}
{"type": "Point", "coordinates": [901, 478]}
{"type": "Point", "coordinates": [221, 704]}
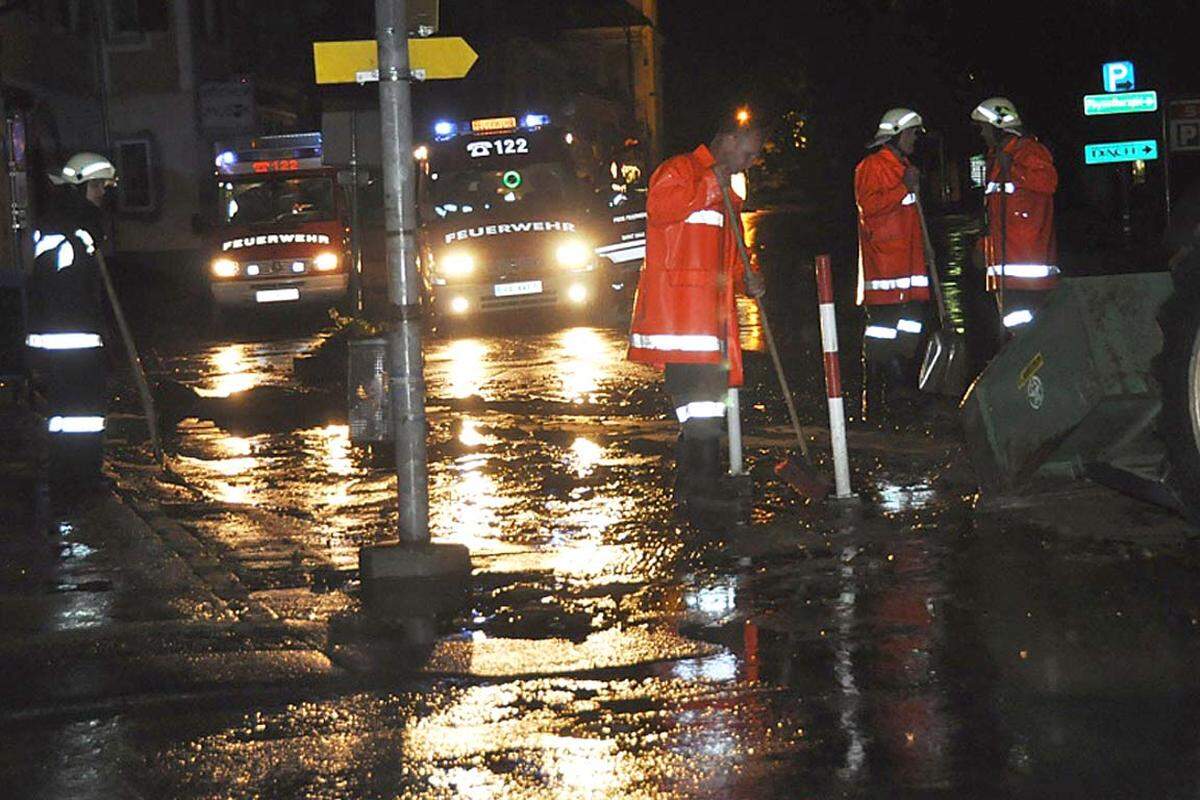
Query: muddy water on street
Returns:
{"type": "Point", "coordinates": [604, 649]}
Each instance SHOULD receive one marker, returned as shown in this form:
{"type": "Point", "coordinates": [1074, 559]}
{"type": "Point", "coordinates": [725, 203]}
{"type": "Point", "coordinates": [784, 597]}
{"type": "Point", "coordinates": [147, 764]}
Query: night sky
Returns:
{"type": "Point", "coordinates": [858, 57]}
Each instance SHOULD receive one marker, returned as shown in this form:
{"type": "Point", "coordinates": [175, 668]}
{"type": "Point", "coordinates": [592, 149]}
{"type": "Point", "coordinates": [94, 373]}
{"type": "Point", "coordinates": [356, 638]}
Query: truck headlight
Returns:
{"type": "Point", "coordinates": [456, 265]}
{"type": "Point", "coordinates": [573, 253]}
{"type": "Point", "coordinates": [224, 268]}
{"type": "Point", "coordinates": [324, 262]}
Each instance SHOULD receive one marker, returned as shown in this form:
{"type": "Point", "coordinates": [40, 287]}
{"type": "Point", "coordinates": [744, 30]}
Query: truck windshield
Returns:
{"type": "Point", "coordinates": [277, 200]}
{"type": "Point", "coordinates": [479, 191]}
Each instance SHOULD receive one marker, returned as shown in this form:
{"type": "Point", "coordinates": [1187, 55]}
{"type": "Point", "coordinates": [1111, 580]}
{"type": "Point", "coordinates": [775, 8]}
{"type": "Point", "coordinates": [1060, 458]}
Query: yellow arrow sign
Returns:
{"type": "Point", "coordinates": [434, 58]}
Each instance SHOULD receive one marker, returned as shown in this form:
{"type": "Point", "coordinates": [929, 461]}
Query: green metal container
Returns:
{"type": "Point", "coordinates": [1072, 395]}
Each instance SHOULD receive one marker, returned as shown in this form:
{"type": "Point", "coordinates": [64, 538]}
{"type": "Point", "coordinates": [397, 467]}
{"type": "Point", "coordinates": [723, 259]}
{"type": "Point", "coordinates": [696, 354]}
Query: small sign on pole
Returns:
{"type": "Point", "coordinates": [1117, 152]}
{"type": "Point", "coordinates": [436, 58]}
{"type": "Point", "coordinates": [1125, 103]}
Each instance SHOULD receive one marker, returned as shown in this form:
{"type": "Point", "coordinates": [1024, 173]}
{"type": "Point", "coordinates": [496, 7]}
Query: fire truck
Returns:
{"type": "Point", "coordinates": [505, 223]}
{"type": "Point", "coordinates": [282, 237]}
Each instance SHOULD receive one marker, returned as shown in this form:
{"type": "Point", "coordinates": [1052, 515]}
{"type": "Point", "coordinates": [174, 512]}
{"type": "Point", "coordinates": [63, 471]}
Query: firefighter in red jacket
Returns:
{"type": "Point", "coordinates": [1019, 249]}
{"type": "Point", "coordinates": [893, 276]}
{"type": "Point", "coordinates": [684, 315]}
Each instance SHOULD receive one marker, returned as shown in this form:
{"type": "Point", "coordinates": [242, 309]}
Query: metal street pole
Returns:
{"type": "Point", "coordinates": [405, 359]}
{"type": "Point", "coordinates": [356, 294]}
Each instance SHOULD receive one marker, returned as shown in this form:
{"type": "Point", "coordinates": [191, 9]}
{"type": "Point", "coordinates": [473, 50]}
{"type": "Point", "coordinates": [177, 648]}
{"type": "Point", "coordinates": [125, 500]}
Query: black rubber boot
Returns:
{"type": "Point", "coordinates": [873, 397]}
{"type": "Point", "coordinates": [716, 500]}
{"type": "Point", "coordinates": [685, 471]}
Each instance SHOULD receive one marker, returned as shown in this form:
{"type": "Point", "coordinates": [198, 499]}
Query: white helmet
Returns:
{"type": "Point", "coordinates": [895, 121]}
{"type": "Point", "coordinates": [83, 167]}
{"type": "Point", "coordinates": [999, 112]}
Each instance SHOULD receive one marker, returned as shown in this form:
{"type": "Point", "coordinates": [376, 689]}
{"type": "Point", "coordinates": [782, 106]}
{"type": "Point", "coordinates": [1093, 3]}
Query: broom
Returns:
{"type": "Point", "coordinates": [796, 470]}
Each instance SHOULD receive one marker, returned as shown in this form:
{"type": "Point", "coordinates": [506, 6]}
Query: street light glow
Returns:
{"type": "Point", "coordinates": [742, 116]}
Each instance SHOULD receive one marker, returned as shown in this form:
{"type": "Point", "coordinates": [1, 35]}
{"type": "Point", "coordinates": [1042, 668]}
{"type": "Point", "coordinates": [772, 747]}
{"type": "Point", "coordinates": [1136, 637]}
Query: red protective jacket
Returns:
{"type": "Point", "coordinates": [685, 312]}
{"type": "Point", "coordinates": [891, 249]}
{"type": "Point", "coordinates": [1020, 208]}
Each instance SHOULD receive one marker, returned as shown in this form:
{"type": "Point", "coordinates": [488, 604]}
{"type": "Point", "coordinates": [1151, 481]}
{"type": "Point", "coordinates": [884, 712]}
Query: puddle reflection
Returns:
{"type": "Point", "coordinates": [584, 357]}
{"type": "Point", "coordinates": [467, 367]}
{"type": "Point", "coordinates": [233, 372]}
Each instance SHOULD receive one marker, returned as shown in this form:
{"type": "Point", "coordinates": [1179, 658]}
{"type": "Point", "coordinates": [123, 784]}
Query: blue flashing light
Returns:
{"type": "Point", "coordinates": [535, 120]}
{"type": "Point", "coordinates": [226, 159]}
{"type": "Point", "coordinates": [444, 128]}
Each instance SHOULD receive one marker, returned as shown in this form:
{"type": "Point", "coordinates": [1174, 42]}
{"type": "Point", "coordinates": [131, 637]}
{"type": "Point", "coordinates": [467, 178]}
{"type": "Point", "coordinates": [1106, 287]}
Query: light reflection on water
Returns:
{"type": "Point", "coordinates": [583, 356]}
{"type": "Point", "coordinates": [467, 367]}
{"type": "Point", "coordinates": [233, 370]}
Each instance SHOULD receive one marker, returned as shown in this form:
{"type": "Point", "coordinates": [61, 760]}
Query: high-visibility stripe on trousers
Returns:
{"type": "Point", "coordinates": [702, 409]}
{"type": "Point", "coordinates": [76, 424]}
{"type": "Point", "coordinates": [1022, 316]}
{"type": "Point", "coordinates": [1022, 271]}
{"type": "Point", "coordinates": [63, 341]}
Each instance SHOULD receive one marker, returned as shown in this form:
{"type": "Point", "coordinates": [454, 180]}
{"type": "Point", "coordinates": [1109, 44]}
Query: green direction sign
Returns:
{"type": "Point", "coordinates": [1116, 152]}
{"type": "Point", "coordinates": [1120, 103]}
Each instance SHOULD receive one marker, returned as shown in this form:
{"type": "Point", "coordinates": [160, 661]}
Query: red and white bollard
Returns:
{"type": "Point", "coordinates": [833, 380]}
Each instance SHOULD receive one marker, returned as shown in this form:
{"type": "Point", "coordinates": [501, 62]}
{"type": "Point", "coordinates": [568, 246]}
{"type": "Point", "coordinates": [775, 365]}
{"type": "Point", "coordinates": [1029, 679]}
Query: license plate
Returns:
{"type": "Point", "coordinates": [276, 295]}
{"type": "Point", "coordinates": [524, 287]}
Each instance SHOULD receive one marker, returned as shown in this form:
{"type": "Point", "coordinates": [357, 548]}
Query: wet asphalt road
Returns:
{"type": "Point", "coordinates": [902, 647]}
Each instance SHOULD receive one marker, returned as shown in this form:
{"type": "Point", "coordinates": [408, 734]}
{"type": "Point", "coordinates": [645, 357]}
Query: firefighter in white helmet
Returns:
{"type": "Point", "coordinates": [893, 275]}
{"type": "Point", "coordinates": [1019, 250]}
{"type": "Point", "coordinates": [65, 336]}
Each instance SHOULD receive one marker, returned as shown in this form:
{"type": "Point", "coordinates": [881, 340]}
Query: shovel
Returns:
{"type": "Point", "coordinates": [944, 366]}
{"type": "Point", "coordinates": [796, 470]}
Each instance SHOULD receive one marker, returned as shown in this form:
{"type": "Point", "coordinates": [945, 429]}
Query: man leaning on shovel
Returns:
{"type": "Point", "coordinates": [684, 316]}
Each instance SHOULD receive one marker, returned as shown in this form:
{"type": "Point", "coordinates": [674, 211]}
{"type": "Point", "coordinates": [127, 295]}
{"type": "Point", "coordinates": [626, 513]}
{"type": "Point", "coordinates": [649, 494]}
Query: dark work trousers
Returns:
{"type": "Point", "coordinates": [73, 383]}
{"type": "Point", "coordinates": [891, 345]}
{"type": "Point", "coordinates": [1021, 306]}
{"type": "Point", "coordinates": [698, 397]}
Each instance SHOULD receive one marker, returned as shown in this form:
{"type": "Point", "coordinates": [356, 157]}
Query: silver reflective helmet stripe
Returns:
{"type": "Point", "coordinates": [63, 341]}
{"type": "Point", "coordinates": [99, 166]}
{"type": "Point", "coordinates": [706, 217]}
{"type": "Point", "coordinates": [701, 409]}
{"type": "Point", "coordinates": [75, 424]}
{"type": "Point", "coordinates": [1031, 271]}
{"type": "Point", "coordinates": [880, 332]}
{"type": "Point", "coordinates": [1020, 317]}
{"type": "Point", "coordinates": [992, 116]}
{"type": "Point", "coordinates": [909, 199]}
{"type": "Point", "coordinates": [892, 284]}
{"type": "Point", "coordinates": [909, 326]}
{"type": "Point", "coordinates": [683, 343]}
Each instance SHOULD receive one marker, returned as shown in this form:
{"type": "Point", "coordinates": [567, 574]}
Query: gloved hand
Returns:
{"type": "Point", "coordinates": [756, 286]}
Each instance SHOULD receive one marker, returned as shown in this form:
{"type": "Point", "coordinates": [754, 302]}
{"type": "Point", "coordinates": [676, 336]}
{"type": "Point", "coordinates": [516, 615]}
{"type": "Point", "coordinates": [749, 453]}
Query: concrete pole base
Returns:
{"type": "Point", "coordinates": [398, 561]}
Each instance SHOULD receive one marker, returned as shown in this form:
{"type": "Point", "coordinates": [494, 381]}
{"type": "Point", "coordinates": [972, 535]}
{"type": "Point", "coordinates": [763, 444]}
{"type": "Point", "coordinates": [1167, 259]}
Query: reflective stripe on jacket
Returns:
{"type": "Point", "coordinates": [685, 312]}
{"type": "Point", "coordinates": [1024, 199]}
{"type": "Point", "coordinates": [891, 252]}
{"type": "Point", "coordinates": [65, 293]}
